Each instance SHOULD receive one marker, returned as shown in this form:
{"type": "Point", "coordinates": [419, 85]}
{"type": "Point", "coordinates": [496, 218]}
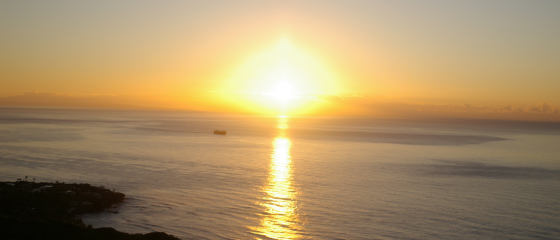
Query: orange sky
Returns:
{"type": "Point", "coordinates": [495, 59]}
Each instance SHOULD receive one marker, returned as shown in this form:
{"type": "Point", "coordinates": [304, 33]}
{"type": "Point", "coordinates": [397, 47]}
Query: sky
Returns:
{"type": "Point", "coordinates": [480, 59]}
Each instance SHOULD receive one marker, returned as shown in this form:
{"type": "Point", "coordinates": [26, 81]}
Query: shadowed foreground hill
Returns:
{"type": "Point", "coordinates": [55, 229]}
{"type": "Point", "coordinates": [30, 210]}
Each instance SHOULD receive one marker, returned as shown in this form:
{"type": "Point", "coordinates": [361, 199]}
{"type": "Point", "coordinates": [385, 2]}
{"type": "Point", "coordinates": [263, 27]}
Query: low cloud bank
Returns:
{"type": "Point", "coordinates": [324, 104]}
{"type": "Point", "coordinates": [383, 107]}
{"type": "Point", "coordinates": [44, 99]}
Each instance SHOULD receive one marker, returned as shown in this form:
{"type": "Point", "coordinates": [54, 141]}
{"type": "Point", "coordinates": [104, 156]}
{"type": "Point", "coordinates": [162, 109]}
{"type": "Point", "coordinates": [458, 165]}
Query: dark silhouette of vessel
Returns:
{"type": "Point", "coordinates": [221, 132]}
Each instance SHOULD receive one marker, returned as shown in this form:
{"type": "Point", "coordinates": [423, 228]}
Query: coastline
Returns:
{"type": "Point", "coordinates": [48, 210]}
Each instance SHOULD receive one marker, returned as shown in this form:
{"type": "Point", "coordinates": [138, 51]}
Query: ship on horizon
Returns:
{"type": "Point", "coordinates": [221, 132]}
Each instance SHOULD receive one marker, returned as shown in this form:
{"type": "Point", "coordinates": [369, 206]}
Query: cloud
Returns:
{"type": "Point", "coordinates": [544, 108]}
{"type": "Point", "coordinates": [45, 99]}
{"type": "Point", "coordinates": [323, 104]}
{"type": "Point", "coordinates": [507, 108]}
{"type": "Point", "coordinates": [394, 107]}
{"type": "Point", "coordinates": [214, 102]}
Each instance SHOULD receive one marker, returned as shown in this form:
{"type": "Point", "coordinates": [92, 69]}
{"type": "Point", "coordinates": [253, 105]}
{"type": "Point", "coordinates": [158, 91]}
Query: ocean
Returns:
{"type": "Point", "coordinates": [291, 177]}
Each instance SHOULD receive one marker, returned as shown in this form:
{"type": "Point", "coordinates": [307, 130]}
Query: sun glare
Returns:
{"type": "Point", "coordinates": [283, 91]}
{"type": "Point", "coordinates": [281, 79]}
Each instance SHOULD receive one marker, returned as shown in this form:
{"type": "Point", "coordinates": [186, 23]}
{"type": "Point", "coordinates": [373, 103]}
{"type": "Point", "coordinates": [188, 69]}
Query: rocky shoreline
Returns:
{"type": "Point", "coordinates": [48, 210]}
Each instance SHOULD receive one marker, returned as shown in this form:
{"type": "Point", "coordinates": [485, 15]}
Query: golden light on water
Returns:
{"type": "Point", "coordinates": [283, 124]}
{"type": "Point", "coordinates": [280, 219]}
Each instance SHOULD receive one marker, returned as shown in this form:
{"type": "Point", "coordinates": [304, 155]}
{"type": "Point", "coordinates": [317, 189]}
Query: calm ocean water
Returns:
{"type": "Point", "coordinates": [297, 178]}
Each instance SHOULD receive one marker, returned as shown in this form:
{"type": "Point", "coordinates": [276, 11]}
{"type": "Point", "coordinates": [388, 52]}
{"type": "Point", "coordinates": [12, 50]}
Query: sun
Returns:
{"type": "Point", "coordinates": [283, 91]}
{"type": "Point", "coordinates": [281, 79]}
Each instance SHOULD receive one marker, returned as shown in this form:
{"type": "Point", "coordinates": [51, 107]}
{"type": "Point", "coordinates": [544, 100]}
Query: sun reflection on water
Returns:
{"type": "Point", "coordinates": [280, 219]}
